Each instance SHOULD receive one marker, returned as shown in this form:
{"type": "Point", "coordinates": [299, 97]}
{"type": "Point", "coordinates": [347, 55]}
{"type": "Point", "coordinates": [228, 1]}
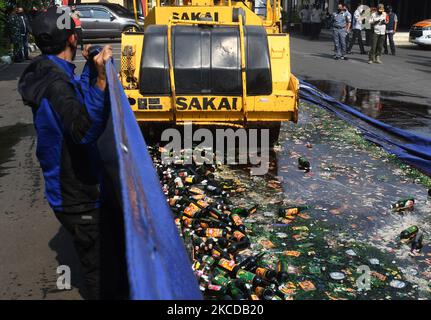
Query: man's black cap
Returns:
{"type": "Point", "coordinates": [52, 28]}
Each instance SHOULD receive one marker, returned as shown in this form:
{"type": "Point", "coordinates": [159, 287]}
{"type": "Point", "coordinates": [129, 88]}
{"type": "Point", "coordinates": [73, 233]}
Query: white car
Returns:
{"type": "Point", "coordinates": [420, 33]}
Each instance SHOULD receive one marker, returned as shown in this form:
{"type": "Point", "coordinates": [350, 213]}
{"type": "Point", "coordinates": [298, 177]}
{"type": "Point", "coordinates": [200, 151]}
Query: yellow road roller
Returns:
{"type": "Point", "coordinates": [211, 63]}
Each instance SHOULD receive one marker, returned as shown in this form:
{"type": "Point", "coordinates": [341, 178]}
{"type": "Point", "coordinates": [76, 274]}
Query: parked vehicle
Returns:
{"type": "Point", "coordinates": [420, 33]}
{"type": "Point", "coordinates": [106, 20]}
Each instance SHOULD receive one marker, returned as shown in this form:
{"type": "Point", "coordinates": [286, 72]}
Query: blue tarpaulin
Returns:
{"type": "Point", "coordinates": [158, 266]}
{"type": "Point", "coordinates": [410, 148]}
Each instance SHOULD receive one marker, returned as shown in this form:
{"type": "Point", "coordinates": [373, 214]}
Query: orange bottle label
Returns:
{"type": "Point", "coordinates": [191, 210]}
{"type": "Point", "coordinates": [237, 220]}
{"type": "Point", "coordinates": [292, 211]}
{"type": "Point", "coordinates": [259, 291]}
{"type": "Point", "coordinates": [214, 232]}
{"type": "Point", "coordinates": [187, 222]}
{"type": "Point", "coordinates": [204, 225]}
{"type": "Point", "coordinates": [203, 203]}
{"type": "Point", "coordinates": [261, 272]}
{"type": "Point", "coordinates": [238, 235]}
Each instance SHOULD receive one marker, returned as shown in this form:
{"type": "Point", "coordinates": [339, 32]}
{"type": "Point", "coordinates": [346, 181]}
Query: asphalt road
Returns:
{"type": "Point", "coordinates": [33, 244]}
{"type": "Point", "coordinates": [409, 72]}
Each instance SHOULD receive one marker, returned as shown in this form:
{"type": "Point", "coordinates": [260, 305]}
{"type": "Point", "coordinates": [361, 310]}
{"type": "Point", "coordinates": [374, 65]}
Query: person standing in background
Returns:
{"type": "Point", "coordinates": [340, 25]}
{"type": "Point", "coordinates": [391, 29]}
{"type": "Point", "coordinates": [14, 31]}
{"type": "Point", "coordinates": [378, 20]}
{"type": "Point", "coordinates": [357, 30]}
{"type": "Point", "coordinates": [316, 22]}
{"type": "Point", "coordinates": [349, 15]}
{"type": "Point", "coordinates": [75, 15]}
{"type": "Point", "coordinates": [305, 16]}
{"type": "Point", "coordinates": [25, 30]}
{"type": "Point", "coordinates": [369, 29]}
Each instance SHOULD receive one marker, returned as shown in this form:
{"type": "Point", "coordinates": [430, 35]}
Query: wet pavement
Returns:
{"type": "Point", "coordinates": [387, 106]}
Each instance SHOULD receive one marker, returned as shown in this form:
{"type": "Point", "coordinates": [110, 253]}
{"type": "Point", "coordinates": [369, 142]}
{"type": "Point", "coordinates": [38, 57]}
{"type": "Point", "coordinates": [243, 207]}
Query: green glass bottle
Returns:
{"type": "Point", "coordinates": [304, 164]}
{"type": "Point", "coordinates": [409, 233]}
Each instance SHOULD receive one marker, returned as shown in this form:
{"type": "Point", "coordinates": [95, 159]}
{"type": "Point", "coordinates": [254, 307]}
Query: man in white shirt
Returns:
{"type": "Point", "coordinates": [305, 16]}
{"type": "Point", "coordinates": [378, 20]}
{"type": "Point", "coordinates": [357, 30]}
{"type": "Point", "coordinates": [316, 22]}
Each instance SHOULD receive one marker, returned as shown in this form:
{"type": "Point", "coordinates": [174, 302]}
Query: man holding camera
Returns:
{"type": "Point", "coordinates": [70, 114]}
{"type": "Point", "coordinates": [378, 20]}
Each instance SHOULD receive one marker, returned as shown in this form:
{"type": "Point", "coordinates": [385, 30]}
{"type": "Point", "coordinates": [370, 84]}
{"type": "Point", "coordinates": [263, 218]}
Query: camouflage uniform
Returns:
{"type": "Point", "coordinates": [14, 28]}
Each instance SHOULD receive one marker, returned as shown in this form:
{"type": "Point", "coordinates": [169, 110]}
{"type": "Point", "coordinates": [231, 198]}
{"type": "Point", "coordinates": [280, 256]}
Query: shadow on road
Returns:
{"type": "Point", "coordinates": [14, 71]}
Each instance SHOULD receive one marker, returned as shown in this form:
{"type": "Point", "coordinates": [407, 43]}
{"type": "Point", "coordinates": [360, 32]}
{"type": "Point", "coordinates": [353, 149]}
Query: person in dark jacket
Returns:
{"type": "Point", "coordinates": [14, 31]}
{"type": "Point", "coordinates": [70, 114]}
{"type": "Point", "coordinates": [25, 30]}
{"type": "Point", "coordinates": [391, 29]}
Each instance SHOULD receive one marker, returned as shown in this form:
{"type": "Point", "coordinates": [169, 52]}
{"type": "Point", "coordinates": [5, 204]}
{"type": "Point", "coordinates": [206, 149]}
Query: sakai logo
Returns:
{"type": "Point", "coordinates": [206, 103]}
{"type": "Point", "coordinates": [194, 15]}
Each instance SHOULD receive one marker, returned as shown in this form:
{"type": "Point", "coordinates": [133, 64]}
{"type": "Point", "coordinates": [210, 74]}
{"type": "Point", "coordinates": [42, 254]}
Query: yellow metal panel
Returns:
{"type": "Point", "coordinates": [135, 40]}
{"type": "Point", "coordinates": [162, 15]}
{"type": "Point", "coordinates": [280, 60]}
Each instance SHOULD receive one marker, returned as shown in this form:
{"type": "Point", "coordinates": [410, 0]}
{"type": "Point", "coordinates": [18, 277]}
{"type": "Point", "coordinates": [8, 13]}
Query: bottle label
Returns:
{"type": "Point", "coordinates": [187, 222]}
{"type": "Point", "coordinates": [203, 203]}
{"type": "Point", "coordinates": [259, 291]}
{"type": "Point", "coordinates": [220, 280]}
{"type": "Point", "coordinates": [261, 272]}
{"type": "Point", "coordinates": [191, 210]}
{"type": "Point", "coordinates": [238, 235]}
{"type": "Point", "coordinates": [227, 264]}
{"type": "Point", "coordinates": [292, 211]}
{"type": "Point", "coordinates": [236, 219]}
{"type": "Point", "coordinates": [214, 287]}
{"type": "Point", "coordinates": [214, 232]}
{"type": "Point", "coordinates": [189, 179]}
{"type": "Point", "coordinates": [208, 260]}
{"type": "Point", "coordinates": [204, 225]}
{"type": "Point", "coordinates": [196, 190]}
{"type": "Point", "coordinates": [245, 275]}
{"type": "Point", "coordinates": [215, 253]}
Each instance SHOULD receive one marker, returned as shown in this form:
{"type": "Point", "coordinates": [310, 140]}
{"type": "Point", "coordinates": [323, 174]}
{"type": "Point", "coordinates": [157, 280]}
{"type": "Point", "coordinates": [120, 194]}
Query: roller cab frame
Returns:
{"type": "Point", "coordinates": [210, 64]}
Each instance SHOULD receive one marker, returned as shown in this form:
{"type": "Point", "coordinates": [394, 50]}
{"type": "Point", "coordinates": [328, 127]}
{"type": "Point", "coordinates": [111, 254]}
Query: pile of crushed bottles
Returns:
{"type": "Point", "coordinates": [217, 235]}
{"type": "Point", "coordinates": [214, 233]}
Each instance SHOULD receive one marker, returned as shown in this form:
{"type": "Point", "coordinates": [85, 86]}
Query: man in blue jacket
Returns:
{"type": "Point", "coordinates": [69, 115]}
